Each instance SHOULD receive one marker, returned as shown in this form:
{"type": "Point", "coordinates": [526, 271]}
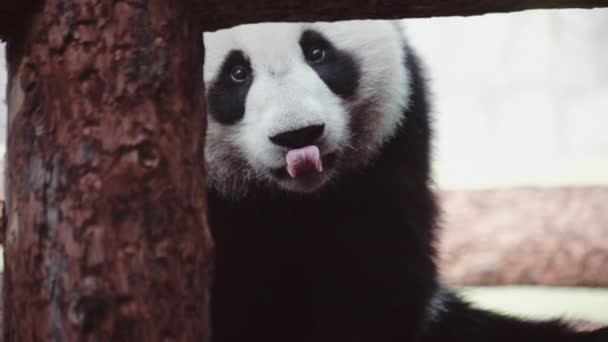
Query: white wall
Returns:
{"type": "Point", "coordinates": [521, 99]}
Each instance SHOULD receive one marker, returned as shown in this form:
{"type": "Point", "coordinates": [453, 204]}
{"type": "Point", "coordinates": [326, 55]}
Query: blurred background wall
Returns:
{"type": "Point", "coordinates": [520, 99]}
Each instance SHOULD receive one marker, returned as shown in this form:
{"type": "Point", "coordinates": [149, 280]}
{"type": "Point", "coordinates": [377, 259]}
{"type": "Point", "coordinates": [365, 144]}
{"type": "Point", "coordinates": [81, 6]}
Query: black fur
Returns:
{"type": "Point", "coordinates": [338, 70]}
{"type": "Point", "coordinates": [226, 98]}
{"type": "Point", "coordinates": [353, 263]}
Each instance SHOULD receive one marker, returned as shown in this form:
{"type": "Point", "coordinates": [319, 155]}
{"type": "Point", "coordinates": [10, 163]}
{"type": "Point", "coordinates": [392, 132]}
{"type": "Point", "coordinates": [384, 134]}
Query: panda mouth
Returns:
{"type": "Point", "coordinates": [302, 163]}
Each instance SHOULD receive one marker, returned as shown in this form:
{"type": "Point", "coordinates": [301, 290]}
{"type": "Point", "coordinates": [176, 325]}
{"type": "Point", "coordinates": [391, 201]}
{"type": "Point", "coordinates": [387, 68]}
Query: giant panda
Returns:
{"type": "Point", "coordinates": [319, 199]}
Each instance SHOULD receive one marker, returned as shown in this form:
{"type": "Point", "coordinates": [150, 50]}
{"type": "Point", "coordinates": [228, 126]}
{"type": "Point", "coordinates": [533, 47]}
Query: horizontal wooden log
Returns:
{"type": "Point", "coordinates": [224, 13]}
{"type": "Point", "coordinates": [13, 15]}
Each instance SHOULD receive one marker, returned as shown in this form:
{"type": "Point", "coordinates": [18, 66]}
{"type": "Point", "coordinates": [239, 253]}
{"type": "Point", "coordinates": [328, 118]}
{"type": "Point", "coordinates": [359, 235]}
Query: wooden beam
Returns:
{"type": "Point", "coordinates": [216, 14]}
{"type": "Point", "coordinates": [222, 13]}
{"type": "Point", "coordinates": [106, 237]}
{"type": "Point", "coordinates": [14, 15]}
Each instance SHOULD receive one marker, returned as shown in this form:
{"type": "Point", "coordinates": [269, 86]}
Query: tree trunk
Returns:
{"type": "Point", "coordinates": [106, 237]}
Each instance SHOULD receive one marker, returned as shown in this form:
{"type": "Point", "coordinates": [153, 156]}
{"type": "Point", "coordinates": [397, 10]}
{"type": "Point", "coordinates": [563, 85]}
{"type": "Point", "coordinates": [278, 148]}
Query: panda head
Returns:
{"type": "Point", "coordinates": [291, 107]}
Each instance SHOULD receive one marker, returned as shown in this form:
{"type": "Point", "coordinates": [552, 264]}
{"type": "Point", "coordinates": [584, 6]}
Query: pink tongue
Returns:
{"type": "Point", "coordinates": [303, 160]}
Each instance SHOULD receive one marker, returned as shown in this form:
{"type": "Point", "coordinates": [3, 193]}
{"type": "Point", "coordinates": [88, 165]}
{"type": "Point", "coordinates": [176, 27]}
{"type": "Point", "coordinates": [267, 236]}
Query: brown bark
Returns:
{"type": "Point", "coordinates": [224, 13]}
{"type": "Point", "coordinates": [106, 237]}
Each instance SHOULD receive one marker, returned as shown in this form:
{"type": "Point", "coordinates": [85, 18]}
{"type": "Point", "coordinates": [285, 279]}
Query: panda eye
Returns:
{"type": "Point", "coordinates": [239, 74]}
{"type": "Point", "coordinates": [315, 55]}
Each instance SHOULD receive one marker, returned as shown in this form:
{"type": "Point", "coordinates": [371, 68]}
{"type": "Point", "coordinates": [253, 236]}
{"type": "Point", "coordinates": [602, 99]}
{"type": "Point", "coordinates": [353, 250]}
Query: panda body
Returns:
{"type": "Point", "coordinates": [335, 244]}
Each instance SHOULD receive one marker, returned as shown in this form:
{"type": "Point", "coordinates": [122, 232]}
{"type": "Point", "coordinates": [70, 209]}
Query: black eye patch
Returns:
{"type": "Point", "coordinates": [226, 95]}
{"type": "Point", "coordinates": [337, 69]}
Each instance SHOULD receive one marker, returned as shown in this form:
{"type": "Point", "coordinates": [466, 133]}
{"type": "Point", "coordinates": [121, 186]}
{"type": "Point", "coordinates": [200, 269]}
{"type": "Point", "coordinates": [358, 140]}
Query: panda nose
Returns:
{"type": "Point", "coordinates": [298, 137]}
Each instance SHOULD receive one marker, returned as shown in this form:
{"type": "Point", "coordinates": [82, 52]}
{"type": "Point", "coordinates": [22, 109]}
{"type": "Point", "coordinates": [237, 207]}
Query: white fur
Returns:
{"type": "Point", "coordinates": [287, 94]}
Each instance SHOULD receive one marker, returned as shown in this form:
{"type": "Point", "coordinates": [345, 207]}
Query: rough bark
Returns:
{"type": "Point", "coordinates": [224, 13]}
{"type": "Point", "coordinates": [106, 237]}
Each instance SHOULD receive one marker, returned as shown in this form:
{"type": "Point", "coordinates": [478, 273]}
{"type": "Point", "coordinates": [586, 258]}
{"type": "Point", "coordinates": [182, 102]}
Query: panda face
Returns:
{"type": "Point", "coordinates": [292, 106]}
